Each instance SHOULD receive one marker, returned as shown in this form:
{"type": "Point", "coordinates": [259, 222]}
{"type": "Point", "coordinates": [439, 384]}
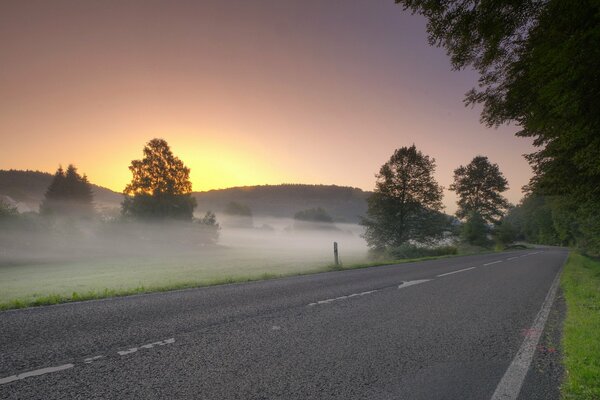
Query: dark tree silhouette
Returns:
{"type": "Point", "coordinates": [406, 203]}
{"type": "Point", "coordinates": [69, 194]}
{"type": "Point", "coordinates": [538, 64]}
{"type": "Point", "coordinates": [479, 186]}
{"type": "Point", "coordinates": [160, 187]}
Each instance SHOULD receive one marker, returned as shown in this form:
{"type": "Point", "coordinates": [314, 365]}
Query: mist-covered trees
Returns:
{"type": "Point", "coordinates": [406, 203]}
{"type": "Point", "coordinates": [317, 214]}
{"type": "Point", "coordinates": [538, 64]}
{"type": "Point", "coordinates": [69, 194]}
{"type": "Point", "coordinates": [160, 187]}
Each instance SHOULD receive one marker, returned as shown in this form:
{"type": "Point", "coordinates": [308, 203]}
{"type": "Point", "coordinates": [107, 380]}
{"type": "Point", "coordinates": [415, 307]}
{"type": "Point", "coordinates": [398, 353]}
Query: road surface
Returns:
{"type": "Point", "coordinates": [456, 328]}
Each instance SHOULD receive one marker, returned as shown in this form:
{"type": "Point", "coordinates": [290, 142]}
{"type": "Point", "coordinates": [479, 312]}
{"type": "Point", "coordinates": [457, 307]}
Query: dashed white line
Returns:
{"type": "Point", "coordinates": [92, 359]}
{"type": "Point", "coordinates": [510, 385]}
{"type": "Point", "coordinates": [493, 262]}
{"type": "Point", "coordinates": [36, 372]}
{"type": "Point", "coordinates": [411, 283]}
{"type": "Point", "coordinates": [146, 346]}
{"type": "Point", "coordinates": [512, 258]}
{"type": "Point", "coordinates": [455, 272]}
{"type": "Point", "coordinates": [341, 298]}
{"type": "Point", "coordinates": [87, 360]}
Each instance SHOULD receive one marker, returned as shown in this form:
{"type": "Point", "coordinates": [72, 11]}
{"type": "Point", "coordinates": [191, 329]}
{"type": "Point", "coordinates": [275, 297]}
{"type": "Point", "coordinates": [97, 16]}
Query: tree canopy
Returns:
{"type": "Point", "coordinates": [160, 186]}
{"type": "Point", "coordinates": [69, 194]}
{"type": "Point", "coordinates": [406, 203]}
{"type": "Point", "coordinates": [538, 65]}
{"type": "Point", "coordinates": [479, 186]}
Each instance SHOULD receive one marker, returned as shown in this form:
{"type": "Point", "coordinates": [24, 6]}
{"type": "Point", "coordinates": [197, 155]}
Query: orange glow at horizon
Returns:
{"type": "Point", "coordinates": [245, 93]}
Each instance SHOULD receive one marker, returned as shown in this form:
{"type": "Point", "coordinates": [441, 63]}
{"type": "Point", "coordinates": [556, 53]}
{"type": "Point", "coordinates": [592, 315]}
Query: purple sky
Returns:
{"type": "Point", "coordinates": [246, 92]}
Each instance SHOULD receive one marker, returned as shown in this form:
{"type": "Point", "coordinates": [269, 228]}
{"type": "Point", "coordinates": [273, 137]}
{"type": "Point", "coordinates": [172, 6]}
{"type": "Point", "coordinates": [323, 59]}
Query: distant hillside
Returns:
{"type": "Point", "coordinates": [27, 188]}
{"type": "Point", "coordinates": [344, 204]}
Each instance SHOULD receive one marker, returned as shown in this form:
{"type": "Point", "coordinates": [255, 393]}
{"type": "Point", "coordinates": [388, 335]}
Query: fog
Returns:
{"type": "Point", "coordinates": [41, 255]}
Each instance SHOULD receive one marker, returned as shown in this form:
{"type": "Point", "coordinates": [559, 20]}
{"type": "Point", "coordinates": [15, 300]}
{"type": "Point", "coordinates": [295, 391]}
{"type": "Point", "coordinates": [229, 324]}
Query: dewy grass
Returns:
{"type": "Point", "coordinates": [581, 336]}
{"type": "Point", "coordinates": [57, 298]}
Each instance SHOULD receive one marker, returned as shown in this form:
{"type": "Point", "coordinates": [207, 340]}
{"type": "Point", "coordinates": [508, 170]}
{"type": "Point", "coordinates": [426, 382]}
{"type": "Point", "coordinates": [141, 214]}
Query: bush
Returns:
{"type": "Point", "coordinates": [412, 251]}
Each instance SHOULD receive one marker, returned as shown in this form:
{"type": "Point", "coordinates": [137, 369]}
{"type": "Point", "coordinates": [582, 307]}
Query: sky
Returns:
{"type": "Point", "coordinates": [245, 92]}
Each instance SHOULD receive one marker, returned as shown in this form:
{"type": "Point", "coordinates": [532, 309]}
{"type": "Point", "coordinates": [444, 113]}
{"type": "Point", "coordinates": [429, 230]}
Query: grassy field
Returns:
{"type": "Point", "coordinates": [581, 337]}
{"type": "Point", "coordinates": [59, 282]}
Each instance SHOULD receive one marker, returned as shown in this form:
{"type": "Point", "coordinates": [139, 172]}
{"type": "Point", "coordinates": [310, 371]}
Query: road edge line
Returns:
{"type": "Point", "coordinates": [514, 377]}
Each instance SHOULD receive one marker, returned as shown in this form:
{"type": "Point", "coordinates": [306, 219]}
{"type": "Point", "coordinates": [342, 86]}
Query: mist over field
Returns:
{"type": "Point", "coordinates": [62, 256]}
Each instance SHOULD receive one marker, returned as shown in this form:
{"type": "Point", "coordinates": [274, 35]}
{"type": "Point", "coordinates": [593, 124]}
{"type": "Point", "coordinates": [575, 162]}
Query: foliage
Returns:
{"type": "Point", "coordinates": [538, 64]}
{"type": "Point", "coordinates": [505, 233]}
{"type": "Point", "coordinates": [406, 203]}
{"type": "Point", "coordinates": [238, 209]}
{"type": "Point", "coordinates": [475, 231]}
{"type": "Point", "coordinates": [314, 215]}
{"type": "Point", "coordinates": [7, 210]}
{"type": "Point", "coordinates": [411, 251]}
{"type": "Point", "coordinates": [580, 283]}
{"type": "Point", "coordinates": [69, 194]}
{"type": "Point", "coordinates": [160, 187]}
{"type": "Point", "coordinates": [479, 185]}
{"type": "Point", "coordinates": [341, 202]}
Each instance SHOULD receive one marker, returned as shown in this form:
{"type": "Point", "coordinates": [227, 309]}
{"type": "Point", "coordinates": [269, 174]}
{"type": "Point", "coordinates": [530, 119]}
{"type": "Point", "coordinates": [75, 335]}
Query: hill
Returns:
{"type": "Point", "coordinates": [344, 204]}
{"type": "Point", "coordinates": [27, 189]}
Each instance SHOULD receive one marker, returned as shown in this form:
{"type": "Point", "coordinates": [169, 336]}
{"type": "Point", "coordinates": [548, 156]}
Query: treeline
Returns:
{"type": "Point", "coordinates": [405, 212]}
{"type": "Point", "coordinates": [344, 204]}
{"type": "Point", "coordinates": [538, 65]}
{"type": "Point", "coordinates": [160, 191]}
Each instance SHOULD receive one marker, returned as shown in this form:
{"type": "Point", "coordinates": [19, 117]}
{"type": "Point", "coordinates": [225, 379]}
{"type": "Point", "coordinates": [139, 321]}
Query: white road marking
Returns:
{"type": "Point", "coordinates": [512, 258]}
{"type": "Point", "coordinates": [455, 272]}
{"type": "Point", "coordinates": [146, 346]}
{"type": "Point", "coordinates": [493, 262]}
{"type": "Point", "coordinates": [341, 298]}
{"type": "Point", "coordinates": [92, 359]}
{"type": "Point", "coordinates": [411, 283]}
{"type": "Point", "coordinates": [35, 373]}
{"type": "Point", "coordinates": [510, 385]}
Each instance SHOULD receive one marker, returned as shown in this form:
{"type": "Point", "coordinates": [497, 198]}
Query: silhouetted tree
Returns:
{"type": "Point", "coordinates": [479, 186]}
{"type": "Point", "coordinates": [69, 194]}
{"type": "Point", "coordinates": [160, 187]}
{"type": "Point", "coordinates": [406, 203]}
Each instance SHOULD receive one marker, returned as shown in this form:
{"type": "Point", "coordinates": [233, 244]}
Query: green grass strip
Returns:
{"type": "Point", "coordinates": [52, 299]}
{"type": "Point", "coordinates": [581, 335]}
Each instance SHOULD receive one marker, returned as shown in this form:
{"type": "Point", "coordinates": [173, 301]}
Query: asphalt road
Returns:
{"type": "Point", "coordinates": [410, 331]}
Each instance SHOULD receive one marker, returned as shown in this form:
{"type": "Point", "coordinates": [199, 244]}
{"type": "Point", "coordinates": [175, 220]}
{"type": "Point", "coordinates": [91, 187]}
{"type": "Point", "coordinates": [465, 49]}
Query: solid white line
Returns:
{"type": "Point", "coordinates": [493, 262]}
{"type": "Point", "coordinates": [510, 385]}
{"type": "Point", "coordinates": [411, 283]}
{"type": "Point", "coordinates": [35, 373]}
{"type": "Point", "coordinates": [455, 272]}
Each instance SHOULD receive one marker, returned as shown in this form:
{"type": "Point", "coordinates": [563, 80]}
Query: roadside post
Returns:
{"type": "Point", "coordinates": [335, 254]}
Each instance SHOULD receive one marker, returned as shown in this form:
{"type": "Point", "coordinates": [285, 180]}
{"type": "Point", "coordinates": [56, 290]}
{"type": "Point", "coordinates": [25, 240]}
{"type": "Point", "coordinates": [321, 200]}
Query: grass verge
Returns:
{"type": "Point", "coordinates": [581, 336]}
{"type": "Point", "coordinates": [52, 299]}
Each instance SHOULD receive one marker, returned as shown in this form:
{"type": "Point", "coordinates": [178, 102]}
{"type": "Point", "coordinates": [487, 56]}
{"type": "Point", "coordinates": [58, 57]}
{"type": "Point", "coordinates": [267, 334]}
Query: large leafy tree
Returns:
{"type": "Point", "coordinates": [479, 186]}
{"type": "Point", "coordinates": [69, 194]}
{"type": "Point", "coordinates": [406, 203]}
{"type": "Point", "coordinates": [160, 187]}
{"type": "Point", "coordinates": [538, 63]}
